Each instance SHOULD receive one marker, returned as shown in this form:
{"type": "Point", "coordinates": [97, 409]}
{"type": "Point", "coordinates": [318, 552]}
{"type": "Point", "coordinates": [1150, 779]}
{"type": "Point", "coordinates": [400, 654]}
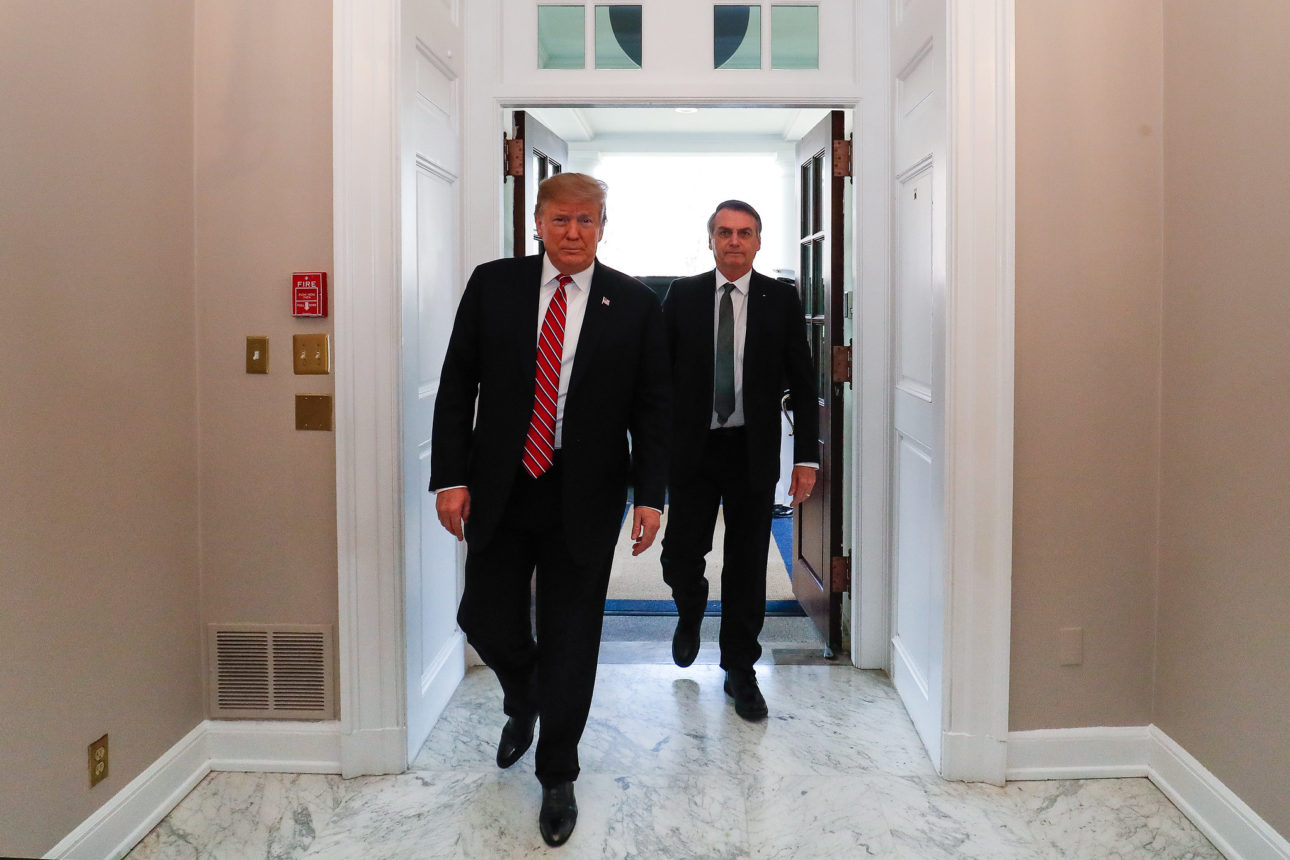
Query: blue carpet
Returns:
{"type": "Point", "coordinates": [781, 531]}
{"type": "Point", "coordinates": [781, 608]}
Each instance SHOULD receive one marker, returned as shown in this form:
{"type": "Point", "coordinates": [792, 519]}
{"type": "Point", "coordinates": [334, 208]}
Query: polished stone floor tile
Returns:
{"type": "Point", "coordinates": [241, 815]}
{"type": "Point", "coordinates": [669, 771]}
{"type": "Point", "coordinates": [1112, 818]}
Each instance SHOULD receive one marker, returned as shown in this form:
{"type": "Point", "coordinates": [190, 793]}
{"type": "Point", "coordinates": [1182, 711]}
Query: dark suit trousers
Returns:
{"type": "Point", "coordinates": [693, 500]}
{"type": "Point", "coordinates": [555, 675]}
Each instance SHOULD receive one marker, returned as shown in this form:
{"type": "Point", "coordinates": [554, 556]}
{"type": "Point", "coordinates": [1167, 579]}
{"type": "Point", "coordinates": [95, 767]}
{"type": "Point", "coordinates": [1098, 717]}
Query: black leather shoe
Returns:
{"type": "Point", "coordinates": [559, 813]}
{"type": "Point", "coordinates": [741, 685]}
{"type": "Point", "coordinates": [517, 737]}
{"type": "Point", "coordinates": [685, 641]}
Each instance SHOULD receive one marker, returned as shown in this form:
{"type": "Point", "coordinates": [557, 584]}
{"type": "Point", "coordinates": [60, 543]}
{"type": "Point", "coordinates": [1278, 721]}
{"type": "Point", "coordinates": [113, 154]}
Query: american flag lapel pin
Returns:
{"type": "Point", "coordinates": [605, 301]}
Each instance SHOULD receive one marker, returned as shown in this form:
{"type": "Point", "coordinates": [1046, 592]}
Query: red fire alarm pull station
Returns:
{"type": "Point", "coordinates": [309, 294]}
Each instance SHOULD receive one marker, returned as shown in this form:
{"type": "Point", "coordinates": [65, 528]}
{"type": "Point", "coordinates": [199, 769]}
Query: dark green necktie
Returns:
{"type": "Point", "coordinates": [724, 361]}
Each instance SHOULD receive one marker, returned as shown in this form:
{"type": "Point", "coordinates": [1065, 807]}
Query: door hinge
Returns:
{"type": "Point", "coordinates": [842, 363]}
{"type": "Point", "coordinates": [512, 157]}
{"type": "Point", "coordinates": [842, 158]}
{"type": "Point", "coordinates": [840, 568]}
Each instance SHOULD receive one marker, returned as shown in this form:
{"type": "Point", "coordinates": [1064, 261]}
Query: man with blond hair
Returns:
{"type": "Point", "coordinates": [553, 361]}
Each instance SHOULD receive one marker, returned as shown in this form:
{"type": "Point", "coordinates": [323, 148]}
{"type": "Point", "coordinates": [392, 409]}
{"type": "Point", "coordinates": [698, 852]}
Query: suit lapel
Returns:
{"type": "Point", "coordinates": [594, 321]}
{"type": "Point", "coordinates": [703, 314]}
{"type": "Point", "coordinates": [525, 320]}
{"type": "Point", "coordinates": [754, 328]}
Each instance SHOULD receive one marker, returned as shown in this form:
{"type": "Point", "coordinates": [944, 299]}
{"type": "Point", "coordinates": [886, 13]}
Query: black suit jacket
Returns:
{"type": "Point", "coordinates": [619, 385]}
{"type": "Point", "coordinates": [776, 358]}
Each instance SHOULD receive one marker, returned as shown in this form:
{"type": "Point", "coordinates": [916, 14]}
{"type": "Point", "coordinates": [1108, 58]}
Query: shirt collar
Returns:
{"type": "Point", "coordinates": [741, 283]}
{"type": "Point", "coordinates": [581, 280]}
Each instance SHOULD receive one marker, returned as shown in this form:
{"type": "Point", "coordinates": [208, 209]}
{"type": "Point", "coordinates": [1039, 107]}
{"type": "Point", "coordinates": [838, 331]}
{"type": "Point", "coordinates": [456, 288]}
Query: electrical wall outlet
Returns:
{"type": "Point", "coordinates": [1070, 646]}
{"type": "Point", "coordinates": [313, 412]}
{"type": "Point", "coordinates": [98, 761]}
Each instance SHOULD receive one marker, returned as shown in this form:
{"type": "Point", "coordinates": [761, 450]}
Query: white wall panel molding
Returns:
{"type": "Point", "coordinates": [677, 53]}
{"type": "Point", "coordinates": [1136, 751]}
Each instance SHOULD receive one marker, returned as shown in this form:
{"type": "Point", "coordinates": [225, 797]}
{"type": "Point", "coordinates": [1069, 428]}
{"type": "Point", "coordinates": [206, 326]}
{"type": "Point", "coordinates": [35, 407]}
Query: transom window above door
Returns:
{"type": "Point", "coordinates": [615, 32]}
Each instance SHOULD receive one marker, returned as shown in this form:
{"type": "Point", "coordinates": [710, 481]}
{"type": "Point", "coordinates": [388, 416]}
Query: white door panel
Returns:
{"type": "Point", "coordinates": [430, 165]}
{"type": "Point", "coordinates": [918, 355]}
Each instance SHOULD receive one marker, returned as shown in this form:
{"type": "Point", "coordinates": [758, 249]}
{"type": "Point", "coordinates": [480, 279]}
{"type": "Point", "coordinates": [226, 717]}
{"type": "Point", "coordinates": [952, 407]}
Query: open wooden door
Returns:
{"type": "Point", "coordinates": [821, 575]}
{"type": "Point", "coordinates": [532, 154]}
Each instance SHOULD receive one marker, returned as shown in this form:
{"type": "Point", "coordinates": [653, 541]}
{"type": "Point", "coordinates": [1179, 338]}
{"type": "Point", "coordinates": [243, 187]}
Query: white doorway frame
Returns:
{"type": "Point", "coordinates": [979, 381]}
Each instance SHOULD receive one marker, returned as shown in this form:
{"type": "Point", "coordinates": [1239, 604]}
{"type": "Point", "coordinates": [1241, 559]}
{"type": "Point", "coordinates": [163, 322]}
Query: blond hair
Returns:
{"type": "Point", "coordinates": [578, 187]}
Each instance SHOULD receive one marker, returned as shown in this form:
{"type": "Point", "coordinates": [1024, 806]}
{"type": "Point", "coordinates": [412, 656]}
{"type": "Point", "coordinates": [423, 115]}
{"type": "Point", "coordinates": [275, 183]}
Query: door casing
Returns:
{"type": "Point", "coordinates": [979, 378]}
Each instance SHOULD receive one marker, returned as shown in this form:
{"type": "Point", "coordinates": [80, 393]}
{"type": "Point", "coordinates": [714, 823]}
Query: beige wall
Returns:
{"type": "Point", "coordinates": [263, 210]}
{"type": "Point", "coordinates": [165, 167]}
{"type": "Point", "coordinates": [1223, 682]}
{"type": "Point", "coordinates": [1088, 282]}
{"type": "Point", "coordinates": [98, 452]}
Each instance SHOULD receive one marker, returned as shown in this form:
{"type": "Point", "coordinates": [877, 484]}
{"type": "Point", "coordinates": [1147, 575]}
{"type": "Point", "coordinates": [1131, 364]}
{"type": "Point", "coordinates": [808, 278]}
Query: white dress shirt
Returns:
{"type": "Point", "coordinates": [739, 298]}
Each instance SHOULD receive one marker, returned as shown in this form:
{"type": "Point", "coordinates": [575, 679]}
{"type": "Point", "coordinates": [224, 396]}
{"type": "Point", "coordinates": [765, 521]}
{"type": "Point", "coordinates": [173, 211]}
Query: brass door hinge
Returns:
{"type": "Point", "coordinates": [842, 158]}
{"type": "Point", "coordinates": [842, 363]}
{"type": "Point", "coordinates": [840, 568]}
{"type": "Point", "coordinates": [512, 157]}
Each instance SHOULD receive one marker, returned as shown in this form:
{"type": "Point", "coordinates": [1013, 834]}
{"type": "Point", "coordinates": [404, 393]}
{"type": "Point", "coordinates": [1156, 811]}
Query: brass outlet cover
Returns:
{"type": "Point", "coordinates": [313, 411]}
{"type": "Point", "coordinates": [311, 353]}
{"type": "Point", "coordinates": [257, 354]}
{"type": "Point", "coordinates": [98, 761]}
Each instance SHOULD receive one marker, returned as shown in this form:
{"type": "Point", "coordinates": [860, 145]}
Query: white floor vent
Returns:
{"type": "Point", "coordinates": [272, 672]}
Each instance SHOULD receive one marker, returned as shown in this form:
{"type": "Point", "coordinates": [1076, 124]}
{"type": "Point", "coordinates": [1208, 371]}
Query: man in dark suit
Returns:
{"type": "Point", "coordinates": [553, 360]}
{"type": "Point", "coordinates": [738, 340]}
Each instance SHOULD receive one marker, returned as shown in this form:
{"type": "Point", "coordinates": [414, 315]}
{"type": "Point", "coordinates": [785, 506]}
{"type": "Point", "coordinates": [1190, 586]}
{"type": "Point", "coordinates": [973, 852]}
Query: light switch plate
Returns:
{"type": "Point", "coordinates": [257, 354]}
{"type": "Point", "coordinates": [311, 353]}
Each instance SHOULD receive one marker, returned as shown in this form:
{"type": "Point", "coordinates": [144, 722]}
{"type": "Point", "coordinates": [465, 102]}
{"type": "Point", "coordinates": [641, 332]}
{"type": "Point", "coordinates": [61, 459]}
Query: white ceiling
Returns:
{"type": "Point", "coordinates": [591, 123]}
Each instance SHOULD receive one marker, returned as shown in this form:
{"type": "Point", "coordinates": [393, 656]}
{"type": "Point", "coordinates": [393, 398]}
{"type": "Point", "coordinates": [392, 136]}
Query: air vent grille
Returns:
{"type": "Point", "coordinates": [271, 672]}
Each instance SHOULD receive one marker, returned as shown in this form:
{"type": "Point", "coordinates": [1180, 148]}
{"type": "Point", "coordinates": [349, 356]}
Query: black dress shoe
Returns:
{"type": "Point", "coordinates": [517, 737]}
{"type": "Point", "coordinates": [559, 813]}
{"type": "Point", "coordinates": [741, 685]}
{"type": "Point", "coordinates": [685, 641]}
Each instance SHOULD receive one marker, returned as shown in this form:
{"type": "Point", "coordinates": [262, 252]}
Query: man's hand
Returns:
{"type": "Point", "coordinates": [453, 507]}
{"type": "Point", "coordinates": [800, 486]}
{"type": "Point", "coordinates": [644, 527]}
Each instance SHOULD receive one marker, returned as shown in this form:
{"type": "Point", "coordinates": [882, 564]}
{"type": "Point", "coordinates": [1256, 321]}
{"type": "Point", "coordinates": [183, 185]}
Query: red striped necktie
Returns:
{"type": "Point", "coordinates": [539, 447]}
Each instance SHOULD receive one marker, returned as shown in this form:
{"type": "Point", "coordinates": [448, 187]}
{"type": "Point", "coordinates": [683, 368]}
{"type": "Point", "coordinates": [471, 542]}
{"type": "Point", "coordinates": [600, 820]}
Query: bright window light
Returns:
{"type": "Point", "coordinates": [659, 205]}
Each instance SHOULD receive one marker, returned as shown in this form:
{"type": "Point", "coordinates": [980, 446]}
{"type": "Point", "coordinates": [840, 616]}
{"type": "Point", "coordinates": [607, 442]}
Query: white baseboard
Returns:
{"type": "Point", "coordinates": [259, 746]}
{"type": "Point", "coordinates": [1224, 818]}
{"type": "Point", "coordinates": [1078, 753]}
{"type": "Point", "coordinates": [1093, 753]}
{"type": "Point", "coordinates": [273, 746]}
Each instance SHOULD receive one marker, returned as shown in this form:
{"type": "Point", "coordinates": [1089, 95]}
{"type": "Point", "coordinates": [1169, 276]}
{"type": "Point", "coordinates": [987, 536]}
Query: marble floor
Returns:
{"type": "Point", "coordinates": [669, 771]}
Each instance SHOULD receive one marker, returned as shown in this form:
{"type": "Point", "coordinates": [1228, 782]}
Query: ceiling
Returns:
{"type": "Point", "coordinates": [592, 123]}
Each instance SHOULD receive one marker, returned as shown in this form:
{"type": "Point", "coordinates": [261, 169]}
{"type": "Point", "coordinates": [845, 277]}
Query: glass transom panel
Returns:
{"type": "Point", "coordinates": [618, 37]}
{"type": "Point", "coordinates": [736, 37]}
{"type": "Point", "coordinates": [561, 37]}
{"type": "Point", "coordinates": [794, 37]}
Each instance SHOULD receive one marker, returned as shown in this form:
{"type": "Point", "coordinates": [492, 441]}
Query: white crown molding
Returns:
{"type": "Point", "coordinates": [1136, 751]}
